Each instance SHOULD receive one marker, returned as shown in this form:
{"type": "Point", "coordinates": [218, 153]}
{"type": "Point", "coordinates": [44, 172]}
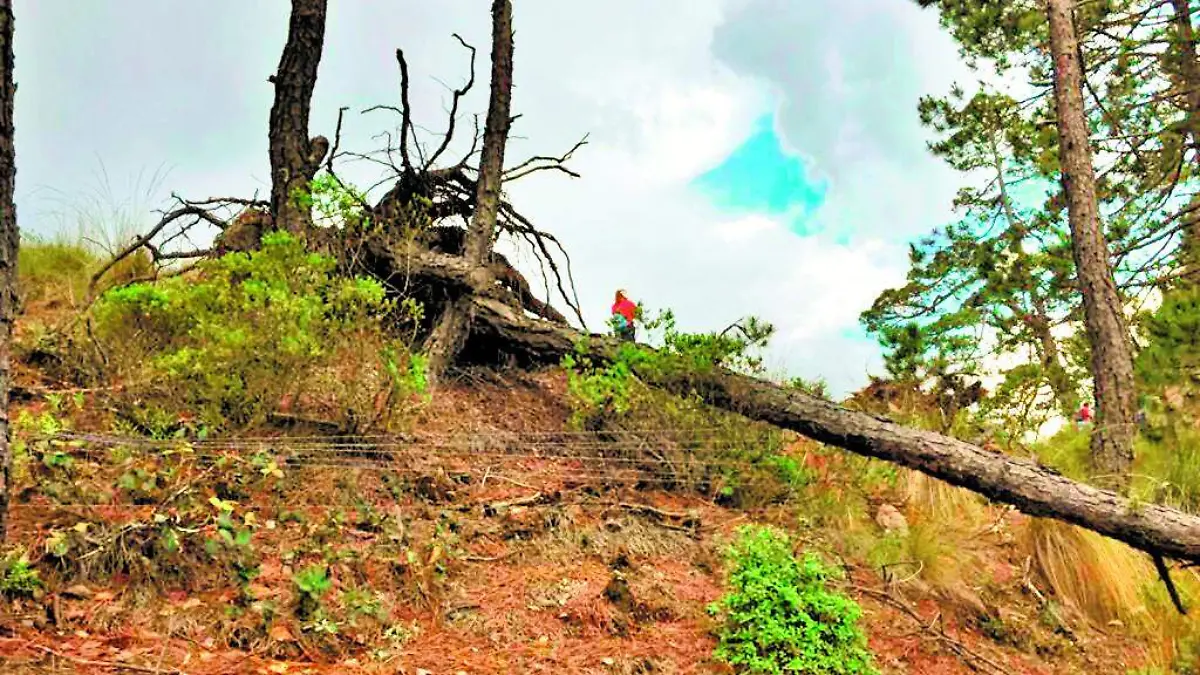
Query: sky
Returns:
{"type": "Point", "coordinates": [745, 157]}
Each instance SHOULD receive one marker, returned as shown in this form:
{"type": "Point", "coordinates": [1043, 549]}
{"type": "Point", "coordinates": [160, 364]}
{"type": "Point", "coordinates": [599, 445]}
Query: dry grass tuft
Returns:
{"type": "Point", "coordinates": [628, 535]}
{"type": "Point", "coordinates": [938, 502]}
{"type": "Point", "coordinates": [1097, 579]}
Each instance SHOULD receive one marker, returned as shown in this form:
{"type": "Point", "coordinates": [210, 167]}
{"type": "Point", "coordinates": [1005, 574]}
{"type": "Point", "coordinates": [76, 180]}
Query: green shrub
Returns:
{"type": "Point", "coordinates": [780, 617]}
{"type": "Point", "coordinates": [228, 343]}
{"type": "Point", "coordinates": [17, 576]}
{"type": "Point", "coordinates": [312, 583]}
{"type": "Point", "coordinates": [607, 390]}
{"type": "Point", "coordinates": [698, 447]}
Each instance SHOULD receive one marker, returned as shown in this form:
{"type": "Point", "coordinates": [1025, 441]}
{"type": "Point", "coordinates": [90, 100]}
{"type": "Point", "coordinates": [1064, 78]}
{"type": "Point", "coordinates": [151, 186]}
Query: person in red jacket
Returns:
{"type": "Point", "coordinates": [1084, 416]}
{"type": "Point", "coordinates": [624, 313]}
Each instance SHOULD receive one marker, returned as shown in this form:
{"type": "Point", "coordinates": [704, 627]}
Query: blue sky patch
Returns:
{"type": "Point", "coordinates": [761, 176]}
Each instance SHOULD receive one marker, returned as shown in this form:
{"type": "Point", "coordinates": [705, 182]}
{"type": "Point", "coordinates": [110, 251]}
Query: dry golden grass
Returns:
{"type": "Point", "coordinates": [936, 502]}
{"type": "Point", "coordinates": [1098, 579]}
{"type": "Point", "coordinates": [940, 542]}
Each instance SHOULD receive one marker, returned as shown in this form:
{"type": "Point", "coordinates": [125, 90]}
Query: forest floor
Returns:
{"type": "Point", "coordinates": [524, 564]}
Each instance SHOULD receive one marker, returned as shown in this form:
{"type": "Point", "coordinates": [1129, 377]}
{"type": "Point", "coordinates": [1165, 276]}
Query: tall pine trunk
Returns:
{"type": "Point", "coordinates": [1112, 355]}
{"type": "Point", "coordinates": [9, 240]}
{"type": "Point", "coordinates": [295, 157]}
{"type": "Point", "coordinates": [454, 325]}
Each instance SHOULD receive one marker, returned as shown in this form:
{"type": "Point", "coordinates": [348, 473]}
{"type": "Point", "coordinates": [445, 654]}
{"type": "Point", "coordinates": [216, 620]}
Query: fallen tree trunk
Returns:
{"type": "Point", "coordinates": [1035, 490]}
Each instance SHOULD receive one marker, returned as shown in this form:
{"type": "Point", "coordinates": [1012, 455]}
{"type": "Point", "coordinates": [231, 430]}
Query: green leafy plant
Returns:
{"type": "Point", "coordinates": [18, 578]}
{"type": "Point", "coordinates": [227, 344]}
{"type": "Point", "coordinates": [738, 462]}
{"type": "Point", "coordinates": [781, 617]}
{"type": "Point", "coordinates": [233, 541]}
{"type": "Point", "coordinates": [360, 602]}
{"type": "Point", "coordinates": [598, 390]}
{"type": "Point", "coordinates": [312, 583]}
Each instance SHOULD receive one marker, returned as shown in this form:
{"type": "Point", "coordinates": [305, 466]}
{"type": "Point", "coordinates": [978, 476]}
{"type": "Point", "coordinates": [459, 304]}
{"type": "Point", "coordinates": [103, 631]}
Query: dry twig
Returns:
{"type": "Point", "coordinates": [973, 659]}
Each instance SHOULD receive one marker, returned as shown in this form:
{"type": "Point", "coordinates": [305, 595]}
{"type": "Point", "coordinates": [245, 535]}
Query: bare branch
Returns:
{"type": "Point", "coordinates": [458, 94]}
{"type": "Point", "coordinates": [1164, 574]}
{"type": "Point", "coordinates": [146, 242]}
{"type": "Point", "coordinates": [406, 111]}
{"type": "Point", "coordinates": [222, 201]}
{"type": "Point", "coordinates": [337, 140]}
{"type": "Point", "coordinates": [543, 163]}
{"type": "Point", "coordinates": [515, 222]}
{"type": "Point", "coordinates": [389, 108]}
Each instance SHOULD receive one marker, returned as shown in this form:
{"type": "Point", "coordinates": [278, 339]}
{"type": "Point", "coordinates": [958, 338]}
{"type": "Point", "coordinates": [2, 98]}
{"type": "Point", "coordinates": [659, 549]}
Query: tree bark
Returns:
{"type": "Point", "coordinates": [1189, 68]}
{"type": "Point", "coordinates": [453, 326]}
{"type": "Point", "coordinates": [1034, 489]}
{"type": "Point", "coordinates": [9, 241]}
{"type": "Point", "coordinates": [295, 157]}
{"type": "Point", "coordinates": [1112, 355]}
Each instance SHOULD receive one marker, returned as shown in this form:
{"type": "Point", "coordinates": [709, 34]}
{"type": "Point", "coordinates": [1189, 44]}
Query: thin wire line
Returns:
{"type": "Point", "coordinates": [380, 456]}
{"type": "Point", "coordinates": [405, 437]}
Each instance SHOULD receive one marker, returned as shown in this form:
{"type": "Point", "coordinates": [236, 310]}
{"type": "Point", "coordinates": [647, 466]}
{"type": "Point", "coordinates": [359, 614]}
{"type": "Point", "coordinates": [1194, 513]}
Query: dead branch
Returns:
{"type": "Point", "coordinates": [543, 163]}
{"type": "Point", "coordinates": [108, 665]}
{"type": "Point", "coordinates": [405, 110]}
{"type": "Point", "coordinates": [973, 659]}
{"type": "Point", "coordinates": [534, 499]}
{"type": "Point", "coordinates": [457, 96]}
{"type": "Point", "coordinates": [736, 326]}
{"type": "Point", "coordinates": [687, 522]}
{"type": "Point", "coordinates": [146, 240]}
{"type": "Point", "coordinates": [1164, 574]}
{"type": "Point", "coordinates": [216, 202]}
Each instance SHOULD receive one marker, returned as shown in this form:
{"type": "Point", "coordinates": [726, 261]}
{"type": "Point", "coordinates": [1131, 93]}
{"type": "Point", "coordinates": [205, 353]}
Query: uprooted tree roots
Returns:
{"type": "Point", "coordinates": [414, 237]}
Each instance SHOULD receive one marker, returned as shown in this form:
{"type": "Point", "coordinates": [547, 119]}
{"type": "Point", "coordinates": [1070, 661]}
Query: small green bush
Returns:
{"type": "Point", "coordinates": [780, 616]}
{"type": "Point", "coordinates": [312, 583]}
{"type": "Point", "coordinates": [17, 576]}
{"type": "Point", "coordinates": [227, 344]}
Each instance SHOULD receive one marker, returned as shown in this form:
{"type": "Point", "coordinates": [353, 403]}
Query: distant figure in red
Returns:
{"type": "Point", "coordinates": [1085, 414]}
{"type": "Point", "coordinates": [624, 313]}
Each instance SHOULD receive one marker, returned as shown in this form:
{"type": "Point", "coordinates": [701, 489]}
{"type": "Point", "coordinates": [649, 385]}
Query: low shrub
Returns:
{"type": "Point", "coordinates": [781, 617]}
{"type": "Point", "coordinates": [17, 576]}
{"type": "Point", "coordinates": [695, 446]}
{"type": "Point", "coordinates": [248, 330]}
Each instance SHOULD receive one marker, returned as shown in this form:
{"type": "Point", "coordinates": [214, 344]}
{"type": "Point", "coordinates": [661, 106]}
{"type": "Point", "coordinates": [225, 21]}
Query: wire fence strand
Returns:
{"type": "Point", "coordinates": [664, 458]}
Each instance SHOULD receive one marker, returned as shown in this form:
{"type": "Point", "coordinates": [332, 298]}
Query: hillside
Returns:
{"type": "Point", "coordinates": [508, 521]}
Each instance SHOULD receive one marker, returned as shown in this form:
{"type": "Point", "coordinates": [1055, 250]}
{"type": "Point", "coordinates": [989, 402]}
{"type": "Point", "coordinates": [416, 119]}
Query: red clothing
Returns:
{"type": "Point", "coordinates": [1085, 414]}
{"type": "Point", "coordinates": [626, 309]}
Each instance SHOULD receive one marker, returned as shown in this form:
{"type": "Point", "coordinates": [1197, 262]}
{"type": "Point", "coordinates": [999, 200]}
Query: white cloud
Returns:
{"type": "Point", "coordinates": [743, 230]}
